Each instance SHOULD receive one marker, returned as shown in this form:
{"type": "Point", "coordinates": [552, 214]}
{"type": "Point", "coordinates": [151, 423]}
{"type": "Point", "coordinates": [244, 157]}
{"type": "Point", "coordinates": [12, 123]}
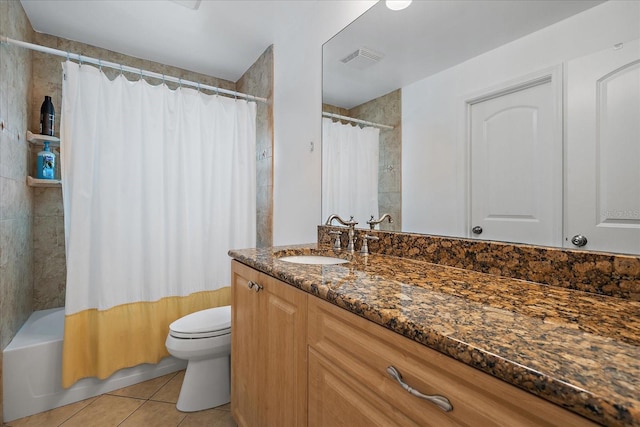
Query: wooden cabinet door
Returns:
{"type": "Point", "coordinates": [284, 351]}
{"type": "Point", "coordinates": [268, 351]}
{"type": "Point", "coordinates": [245, 363]}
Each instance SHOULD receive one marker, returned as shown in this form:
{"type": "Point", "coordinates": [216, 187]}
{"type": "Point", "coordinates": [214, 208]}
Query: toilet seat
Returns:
{"type": "Point", "coordinates": [212, 322]}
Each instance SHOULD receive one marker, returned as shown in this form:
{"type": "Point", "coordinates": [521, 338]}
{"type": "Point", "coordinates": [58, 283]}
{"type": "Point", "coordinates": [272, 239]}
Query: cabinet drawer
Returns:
{"type": "Point", "coordinates": [353, 354]}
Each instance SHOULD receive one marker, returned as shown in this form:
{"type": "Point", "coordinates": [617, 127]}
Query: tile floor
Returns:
{"type": "Point", "coordinates": [148, 404]}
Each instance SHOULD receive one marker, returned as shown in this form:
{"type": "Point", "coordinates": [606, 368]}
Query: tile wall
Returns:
{"type": "Point", "coordinates": [16, 198]}
{"type": "Point", "coordinates": [258, 80]}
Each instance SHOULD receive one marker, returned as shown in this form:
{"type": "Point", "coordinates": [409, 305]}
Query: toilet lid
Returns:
{"type": "Point", "coordinates": [205, 323]}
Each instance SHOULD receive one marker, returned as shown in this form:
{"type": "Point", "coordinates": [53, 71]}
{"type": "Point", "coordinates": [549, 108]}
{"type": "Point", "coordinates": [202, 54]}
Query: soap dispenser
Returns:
{"type": "Point", "coordinates": [46, 163]}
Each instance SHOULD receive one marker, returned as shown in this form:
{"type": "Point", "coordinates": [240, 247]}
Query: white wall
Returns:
{"type": "Point", "coordinates": [433, 139]}
{"type": "Point", "coordinates": [297, 118]}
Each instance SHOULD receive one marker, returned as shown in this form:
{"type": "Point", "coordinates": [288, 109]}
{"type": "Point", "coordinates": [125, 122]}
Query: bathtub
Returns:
{"type": "Point", "coordinates": [32, 365]}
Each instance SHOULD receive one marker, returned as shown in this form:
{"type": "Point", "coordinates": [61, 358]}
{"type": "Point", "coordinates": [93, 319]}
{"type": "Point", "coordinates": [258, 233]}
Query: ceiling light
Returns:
{"type": "Point", "coordinates": [397, 4]}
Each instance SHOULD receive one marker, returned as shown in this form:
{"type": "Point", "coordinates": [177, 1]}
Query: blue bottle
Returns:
{"type": "Point", "coordinates": [46, 163]}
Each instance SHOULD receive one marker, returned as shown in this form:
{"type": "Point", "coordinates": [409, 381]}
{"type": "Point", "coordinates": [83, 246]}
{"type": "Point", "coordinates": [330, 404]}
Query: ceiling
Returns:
{"type": "Point", "coordinates": [218, 38]}
{"type": "Point", "coordinates": [223, 38]}
{"type": "Point", "coordinates": [428, 37]}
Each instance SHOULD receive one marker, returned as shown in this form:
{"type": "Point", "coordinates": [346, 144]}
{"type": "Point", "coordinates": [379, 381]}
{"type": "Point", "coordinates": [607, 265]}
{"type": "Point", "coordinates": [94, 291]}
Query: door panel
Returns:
{"type": "Point", "coordinates": [603, 150]}
{"type": "Point", "coordinates": [516, 166]}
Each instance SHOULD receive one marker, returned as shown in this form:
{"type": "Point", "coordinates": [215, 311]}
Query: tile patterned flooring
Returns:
{"type": "Point", "coordinates": [147, 404]}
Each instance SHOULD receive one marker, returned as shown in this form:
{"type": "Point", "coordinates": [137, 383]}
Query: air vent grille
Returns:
{"type": "Point", "coordinates": [362, 58]}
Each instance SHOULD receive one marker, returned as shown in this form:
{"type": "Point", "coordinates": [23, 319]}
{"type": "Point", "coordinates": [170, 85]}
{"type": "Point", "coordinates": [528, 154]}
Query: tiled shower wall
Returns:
{"type": "Point", "coordinates": [48, 244]}
{"type": "Point", "coordinates": [258, 81]}
{"type": "Point", "coordinates": [16, 199]}
{"type": "Point", "coordinates": [387, 110]}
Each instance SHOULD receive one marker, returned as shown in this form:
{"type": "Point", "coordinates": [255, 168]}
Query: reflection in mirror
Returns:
{"type": "Point", "coordinates": [510, 117]}
{"type": "Point", "coordinates": [374, 171]}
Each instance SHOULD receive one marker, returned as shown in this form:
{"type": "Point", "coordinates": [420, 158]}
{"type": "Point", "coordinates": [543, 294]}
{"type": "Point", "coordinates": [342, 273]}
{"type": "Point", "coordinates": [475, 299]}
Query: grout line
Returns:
{"type": "Point", "coordinates": [78, 411]}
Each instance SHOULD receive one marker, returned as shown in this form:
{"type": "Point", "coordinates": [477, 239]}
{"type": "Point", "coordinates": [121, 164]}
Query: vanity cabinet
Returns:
{"type": "Point", "coordinates": [298, 360]}
{"type": "Point", "coordinates": [268, 350]}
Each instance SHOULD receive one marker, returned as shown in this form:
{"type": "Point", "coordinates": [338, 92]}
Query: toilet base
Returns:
{"type": "Point", "coordinates": [206, 385]}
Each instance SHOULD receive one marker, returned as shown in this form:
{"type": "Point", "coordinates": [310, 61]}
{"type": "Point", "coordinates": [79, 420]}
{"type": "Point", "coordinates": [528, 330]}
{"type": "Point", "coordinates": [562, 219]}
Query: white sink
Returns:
{"type": "Point", "coordinates": [313, 259]}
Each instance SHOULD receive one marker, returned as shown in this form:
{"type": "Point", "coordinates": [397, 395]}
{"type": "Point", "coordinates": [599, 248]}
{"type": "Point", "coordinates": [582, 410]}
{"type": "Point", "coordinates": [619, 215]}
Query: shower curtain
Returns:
{"type": "Point", "coordinates": [158, 185]}
{"type": "Point", "coordinates": [349, 171]}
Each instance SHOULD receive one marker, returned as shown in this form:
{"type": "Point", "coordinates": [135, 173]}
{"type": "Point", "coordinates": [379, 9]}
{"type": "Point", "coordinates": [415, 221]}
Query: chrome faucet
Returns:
{"type": "Point", "coordinates": [372, 223]}
{"type": "Point", "coordinates": [351, 247]}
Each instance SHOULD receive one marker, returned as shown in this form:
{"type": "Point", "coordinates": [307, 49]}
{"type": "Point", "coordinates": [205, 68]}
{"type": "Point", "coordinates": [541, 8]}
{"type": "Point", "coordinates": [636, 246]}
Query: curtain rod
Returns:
{"type": "Point", "coordinates": [141, 72]}
{"type": "Point", "coordinates": [351, 119]}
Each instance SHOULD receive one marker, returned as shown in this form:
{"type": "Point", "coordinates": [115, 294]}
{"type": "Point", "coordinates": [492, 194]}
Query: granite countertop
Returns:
{"type": "Point", "coordinates": [573, 348]}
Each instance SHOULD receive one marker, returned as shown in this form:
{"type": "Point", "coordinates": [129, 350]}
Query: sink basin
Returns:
{"type": "Point", "coordinates": [313, 259]}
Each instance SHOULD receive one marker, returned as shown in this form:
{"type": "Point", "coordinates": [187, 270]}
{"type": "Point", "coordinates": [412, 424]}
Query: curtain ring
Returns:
{"type": "Point", "coordinates": [100, 64]}
{"type": "Point", "coordinates": [217, 91]}
{"type": "Point", "coordinates": [198, 87]}
{"type": "Point", "coordinates": [120, 69]}
{"type": "Point", "coordinates": [140, 73]}
{"type": "Point", "coordinates": [180, 83]}
{"type": "Point", "coordinates": [80, 59]}
{"type": "Point", "coordinates": [67, 55]}
{"type": "Point", "coordinates": [163, 82]}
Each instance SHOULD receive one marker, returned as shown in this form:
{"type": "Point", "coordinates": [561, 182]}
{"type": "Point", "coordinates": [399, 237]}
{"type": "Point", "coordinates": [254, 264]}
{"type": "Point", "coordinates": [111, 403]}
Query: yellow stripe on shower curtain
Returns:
{"type": "Point", "coordinates": [98, 343]}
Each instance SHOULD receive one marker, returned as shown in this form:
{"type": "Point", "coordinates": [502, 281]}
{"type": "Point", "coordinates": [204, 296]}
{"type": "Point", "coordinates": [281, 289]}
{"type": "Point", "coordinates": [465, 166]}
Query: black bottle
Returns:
{"type": "Point", "coordinates": [47, 117]}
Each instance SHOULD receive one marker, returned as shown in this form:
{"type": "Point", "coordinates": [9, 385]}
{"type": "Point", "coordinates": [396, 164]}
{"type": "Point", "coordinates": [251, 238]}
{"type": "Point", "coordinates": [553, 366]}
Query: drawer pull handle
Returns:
{"type": "Point", "coordinates": [255, 286]}
{"type": "Point", "coordinates": [441, 401]}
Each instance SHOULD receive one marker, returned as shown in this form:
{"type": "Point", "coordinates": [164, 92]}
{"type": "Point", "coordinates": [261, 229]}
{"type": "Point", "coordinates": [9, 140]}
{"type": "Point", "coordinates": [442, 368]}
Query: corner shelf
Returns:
{"type": "Point", "coordinates": [35, 182]}
{"type": "Point", "coordinates": [38, 139]}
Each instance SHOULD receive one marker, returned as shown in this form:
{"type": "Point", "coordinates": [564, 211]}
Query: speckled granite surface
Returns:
{"type": "Point", "coordinates": [601, 273]}
{"type": "Point", "coordinates": [576, 349]}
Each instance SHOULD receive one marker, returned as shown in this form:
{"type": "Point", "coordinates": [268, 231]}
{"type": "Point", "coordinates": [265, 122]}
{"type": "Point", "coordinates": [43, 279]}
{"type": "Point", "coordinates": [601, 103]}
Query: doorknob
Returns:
{"type": "Point", "coordinates": [579, 240]}
{"type": "Point", "coordinates": [477, 230]}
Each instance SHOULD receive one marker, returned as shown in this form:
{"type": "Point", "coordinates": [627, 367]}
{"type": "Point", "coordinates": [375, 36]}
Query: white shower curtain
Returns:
{"type": "Point", "coordinates": [349, 171]}
{"type": "Point", "coordinates": [157, 186]}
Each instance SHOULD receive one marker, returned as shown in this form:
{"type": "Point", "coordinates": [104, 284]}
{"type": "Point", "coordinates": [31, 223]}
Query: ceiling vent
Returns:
{"type": "Point", "coordinates": [362, 58]}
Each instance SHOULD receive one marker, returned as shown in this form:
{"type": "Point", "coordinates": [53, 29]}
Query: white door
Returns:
{"type": "Point", "coordinates": [516, 164]}
{"type": "Point", "coordinates": [603, 150]}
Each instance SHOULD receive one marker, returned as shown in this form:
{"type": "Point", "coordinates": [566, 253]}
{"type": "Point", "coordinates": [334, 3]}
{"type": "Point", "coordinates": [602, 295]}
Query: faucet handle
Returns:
{"type": "Point", "coordinates": [364, 250]}
{"type": "Point", "coordinates": [351, 222]}
{"type": "Point", "coordinates": [336, 243]}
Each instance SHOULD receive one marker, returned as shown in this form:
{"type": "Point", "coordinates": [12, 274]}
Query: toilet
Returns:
{"type": "Point", "coordinates": [203, 339]}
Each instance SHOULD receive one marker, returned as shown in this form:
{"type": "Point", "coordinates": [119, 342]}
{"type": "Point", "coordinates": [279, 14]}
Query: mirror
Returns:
{"type": "Point", "coordinates": [422, 69]}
